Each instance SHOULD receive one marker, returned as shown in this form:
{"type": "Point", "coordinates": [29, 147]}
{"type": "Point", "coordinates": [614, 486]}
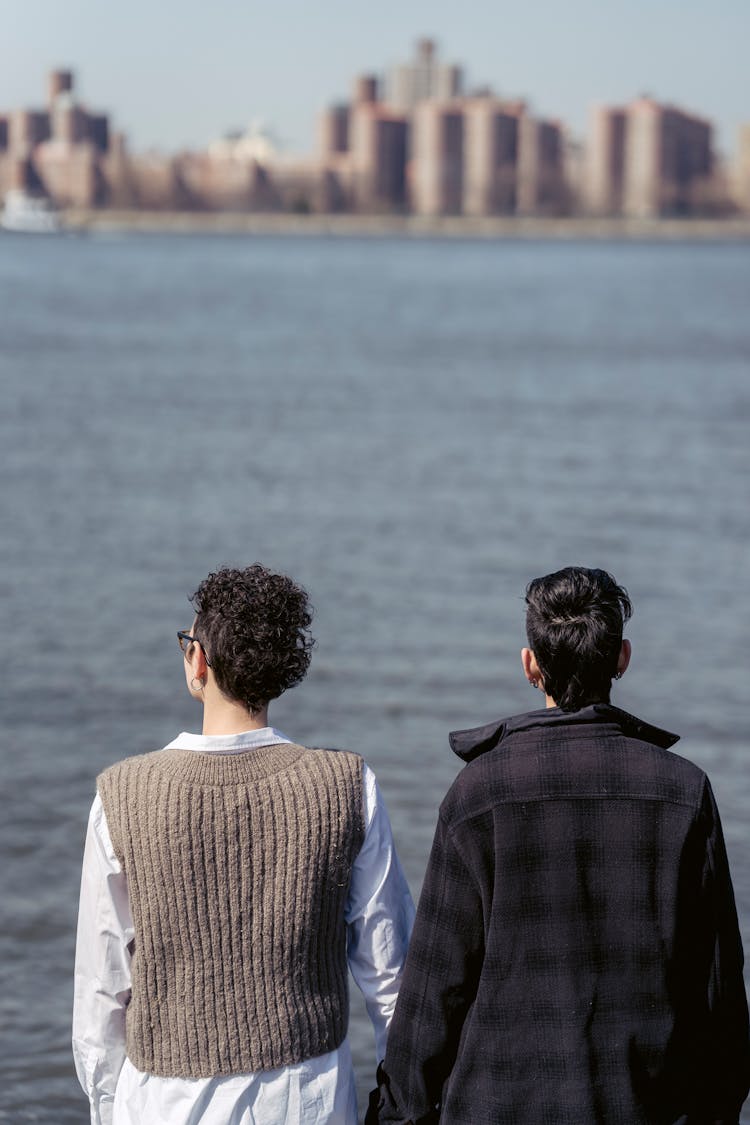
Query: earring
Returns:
{"type": "Point", "coordinates": [534, 683]}
{"type": "Point", "coordinates": [195, 681]}
{"type": "Point", "coordinates": [618, 675]}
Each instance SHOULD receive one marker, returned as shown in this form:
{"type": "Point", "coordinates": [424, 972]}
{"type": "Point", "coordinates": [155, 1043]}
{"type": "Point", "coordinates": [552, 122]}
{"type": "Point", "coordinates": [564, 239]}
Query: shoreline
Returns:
{"type": "Point", "coordinates": [408, 226]}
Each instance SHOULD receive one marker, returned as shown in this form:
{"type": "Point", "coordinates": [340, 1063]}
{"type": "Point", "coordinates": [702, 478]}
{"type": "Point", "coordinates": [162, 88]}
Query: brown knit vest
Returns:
{"type": "Point", "coordinates": [238, 869]}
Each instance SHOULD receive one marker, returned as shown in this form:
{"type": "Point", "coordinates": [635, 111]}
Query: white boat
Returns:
{"type": "Point", "coordinates": [29, 214]}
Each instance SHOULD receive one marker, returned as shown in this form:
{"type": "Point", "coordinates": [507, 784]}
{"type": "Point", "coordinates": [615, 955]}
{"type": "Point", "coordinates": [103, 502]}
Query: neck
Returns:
{"type": "Point", "coordinates": [227, 716]}
{"type": "Point", "coordinates": [549, 701]}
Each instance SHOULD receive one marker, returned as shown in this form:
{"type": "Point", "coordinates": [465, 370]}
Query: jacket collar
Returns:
{"type": "Point", "coordinates": [469, 744]}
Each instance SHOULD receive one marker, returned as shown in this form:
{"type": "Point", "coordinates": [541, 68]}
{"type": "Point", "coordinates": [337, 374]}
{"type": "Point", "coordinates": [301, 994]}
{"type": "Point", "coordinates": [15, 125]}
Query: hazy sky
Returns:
{"type": "Point", "coordinates": [178, 73]}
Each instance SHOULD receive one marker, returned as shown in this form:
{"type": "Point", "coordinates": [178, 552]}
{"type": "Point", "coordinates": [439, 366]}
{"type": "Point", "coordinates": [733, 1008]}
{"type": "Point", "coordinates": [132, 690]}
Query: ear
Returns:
{"type": "Point", "coordinates": [530, 667]}
{"type": "Point", "coordinates": [198, 666]}
{"type": "Point", "coordinates": [624, 658]}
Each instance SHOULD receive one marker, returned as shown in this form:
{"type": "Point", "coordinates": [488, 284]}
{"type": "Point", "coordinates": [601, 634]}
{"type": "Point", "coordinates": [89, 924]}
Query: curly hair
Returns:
{"type": "Point", "coordinates": [254, 627]}
{"type": "Point", "coordinates": [574, 623]}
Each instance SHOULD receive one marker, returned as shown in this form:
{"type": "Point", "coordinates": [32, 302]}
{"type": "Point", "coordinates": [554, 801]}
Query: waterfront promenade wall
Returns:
{"type": "Point", "coordinates": [411, 226]}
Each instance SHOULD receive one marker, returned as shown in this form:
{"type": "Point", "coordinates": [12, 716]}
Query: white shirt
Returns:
{"type": "Point", "coordinates": [379, 916]}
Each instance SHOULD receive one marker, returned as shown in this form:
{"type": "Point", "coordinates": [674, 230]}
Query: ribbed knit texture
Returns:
{"type": "Point", "coordinates": [238, 869]}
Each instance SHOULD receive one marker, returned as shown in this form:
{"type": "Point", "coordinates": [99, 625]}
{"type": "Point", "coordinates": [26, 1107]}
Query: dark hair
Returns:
{"type": "Point", "coordinates": [574, 624]}
{"type": "Point", "coordinates": [254, 627]}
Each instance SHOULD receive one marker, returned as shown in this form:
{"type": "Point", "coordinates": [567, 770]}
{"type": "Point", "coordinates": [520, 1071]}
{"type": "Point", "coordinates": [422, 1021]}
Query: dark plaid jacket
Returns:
{"type": "Point", "coordinates": [576, 956]}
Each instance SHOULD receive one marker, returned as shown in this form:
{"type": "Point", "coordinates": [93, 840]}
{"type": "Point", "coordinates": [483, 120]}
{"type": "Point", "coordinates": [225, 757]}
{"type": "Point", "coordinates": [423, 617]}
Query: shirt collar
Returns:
{"type": "Point", "coordinates": [228, 743]}
{"type": "Point", "coordinates": [469, 744]}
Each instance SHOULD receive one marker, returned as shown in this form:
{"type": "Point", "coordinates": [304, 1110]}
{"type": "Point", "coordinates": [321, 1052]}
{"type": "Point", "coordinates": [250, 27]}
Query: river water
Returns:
{"type": "Point", "coordinates": [413, 429]}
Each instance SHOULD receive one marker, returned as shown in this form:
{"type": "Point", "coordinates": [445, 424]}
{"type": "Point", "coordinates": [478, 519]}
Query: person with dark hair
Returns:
{"type": "Point", "coordinates": [230, 882]}
{"type": "Point", "coordinates": [576, 956]}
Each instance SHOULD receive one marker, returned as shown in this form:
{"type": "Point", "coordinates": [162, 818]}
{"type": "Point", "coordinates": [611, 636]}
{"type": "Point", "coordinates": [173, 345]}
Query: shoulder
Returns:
{"type": "Point", "coordinates": [332, 767]}
{"type": "Point", "coordinates": [349, 767]}
{"type": "Point", "coordinates": [475, 789]}
{"type": "Point", "coordinates": [340, 761]}
{"type": "Point", "coordinates": [126, 768]}
{"type": "Point", "coordinates": [343, 777]}
{"type": "Point", "coordinates": [671, 775]}
{"type": "Point", "coordinates": [342, 770]}
{"type": "Point", "coordinates": [120, 790]}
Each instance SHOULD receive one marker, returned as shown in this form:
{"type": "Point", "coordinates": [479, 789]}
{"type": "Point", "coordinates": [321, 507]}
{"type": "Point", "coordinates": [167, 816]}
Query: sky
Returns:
{"type": "Point", "coordinates": [179, 73]}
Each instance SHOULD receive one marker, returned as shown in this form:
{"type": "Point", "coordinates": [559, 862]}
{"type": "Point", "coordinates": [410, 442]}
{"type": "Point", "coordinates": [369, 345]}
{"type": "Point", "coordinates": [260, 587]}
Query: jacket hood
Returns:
{"type": "Point", "coordinates": [469, 744]}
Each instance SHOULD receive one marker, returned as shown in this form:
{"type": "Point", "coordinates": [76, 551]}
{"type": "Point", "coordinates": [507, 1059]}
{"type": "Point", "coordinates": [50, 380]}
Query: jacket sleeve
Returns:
{"type": "Point", "coordinates": [727, 1074]}
{"type": "Point", "coordinates": [439, 985]}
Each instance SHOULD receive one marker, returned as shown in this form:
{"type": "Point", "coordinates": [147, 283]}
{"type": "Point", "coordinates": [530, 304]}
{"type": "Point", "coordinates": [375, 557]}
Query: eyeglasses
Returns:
{"type": "Point", "coordinates": [185, 640]}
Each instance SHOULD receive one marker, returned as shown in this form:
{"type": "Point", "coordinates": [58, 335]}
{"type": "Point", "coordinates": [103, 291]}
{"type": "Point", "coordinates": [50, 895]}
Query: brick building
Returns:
{"type": "Point", "coordinates": [647, 160]}
{"type": "Point", "coordinates": [490, 176]}
{"type": "Point", "coordinates": [437, 161]}
{"type": "Point", "coordinates": [425, 78]}
{"type": "Point", "coordinates": [541, 173]}
{"type": "Point", "coordinates": [60, 151]}
{"type": "Point", "coordinates": [741, 171]}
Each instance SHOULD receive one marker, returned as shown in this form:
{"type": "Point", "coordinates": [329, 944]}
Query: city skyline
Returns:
{"type": "Point", "coordinates": [179, 76]}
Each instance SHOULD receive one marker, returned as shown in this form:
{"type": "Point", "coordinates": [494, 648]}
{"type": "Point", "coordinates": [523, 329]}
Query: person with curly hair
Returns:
{"type": "Point", "coordinates": [576, 956]}
{"type": "Point", "coordinates": [230, 882]}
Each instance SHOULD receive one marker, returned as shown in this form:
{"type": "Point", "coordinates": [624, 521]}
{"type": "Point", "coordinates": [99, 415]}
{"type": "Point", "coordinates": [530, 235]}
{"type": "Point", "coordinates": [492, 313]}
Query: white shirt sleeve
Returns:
{"type": "Point", "coordinates": [379, 914]}
{"type": "Point", "coordinates": [102, 969]}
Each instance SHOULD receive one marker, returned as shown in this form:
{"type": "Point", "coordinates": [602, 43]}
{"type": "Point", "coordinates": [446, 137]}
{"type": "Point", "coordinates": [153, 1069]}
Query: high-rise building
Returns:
{"type": "Point", "coordinates": [741, 171]}
{"type": "Point", "coordinates": [605, 161]}
{"type": "Point", "coordinates": [541, 174]}
{"type": "Point", "coordinates": [365, 90]}
{"type": "Point", "coordinates": [333, 131]}
{"type": "Point", "coordinates": [490, 156]}
{"type": "Point", "coordinates": [425, 77]}
{"type": "Point", "coordinates": [437, 160]}
{"type": "Point", "coordinates": [668, 160]}
{"type": "Point", "coordinates": [59, 82]}
{"type": "Point", "coordinates": [378, 158]}
{"type": "Point", "coordinates": [27, 128]}
{"type": "Point", "coordinates": [69, 121]}
{"type": "Point", "coordinates": [647, 159]}
{"type": "Point", "coordinates": [58, 151]}
{"type": "Point", "coordinates": [98, 131]}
